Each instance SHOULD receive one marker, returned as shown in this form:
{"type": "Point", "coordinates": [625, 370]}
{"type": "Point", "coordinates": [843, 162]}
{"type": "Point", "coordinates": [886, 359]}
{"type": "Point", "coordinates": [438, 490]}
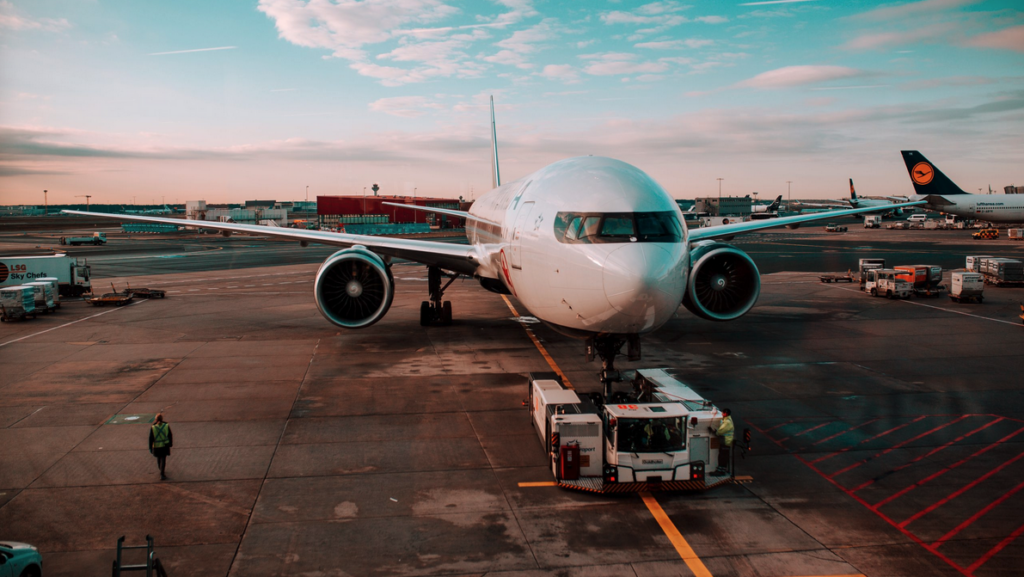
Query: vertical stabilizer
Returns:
{"type": "Point", "coordinates": [495, 172]}
{"type": "Point", "coordinates": [853, 193]}
{"type": "Point", "coordinates": [927, 177]}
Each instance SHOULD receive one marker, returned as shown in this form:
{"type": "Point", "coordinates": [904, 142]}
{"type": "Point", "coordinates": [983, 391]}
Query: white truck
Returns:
{"type": "Point", "coordinates": [873, 221]}
{"type": "Point", "coordinates": [96, 238]}
{"type": "Point", "coordinates": [657, 435]}
{"type": "Point", "coordinates": [883, 282]}
{"type": "Point", "coordinates": [72, 276]}
{"type": "Point", "coordinates": [967, 286]}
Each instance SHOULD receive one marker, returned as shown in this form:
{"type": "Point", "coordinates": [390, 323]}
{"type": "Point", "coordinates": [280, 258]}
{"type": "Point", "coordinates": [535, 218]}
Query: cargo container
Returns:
{"type": "Point", "coordinates": [1002, 271]}
{"type": "Point", "coordinates": [72, 275]}
{"type": "Point", "coordinates": [43, 293]}
{"type": "Point", "coordinates": [1015, 233]}
{"type": "Point", "coordinates": [55, 286]}
{"type": "Point", "coordinates": [17, 302]}
{"type": "Point", "coordinates": [967, 286]}
{"type": "Point", "coordinates": [926, 279]}
{"type": "Point", "coordinates": [974, 262]}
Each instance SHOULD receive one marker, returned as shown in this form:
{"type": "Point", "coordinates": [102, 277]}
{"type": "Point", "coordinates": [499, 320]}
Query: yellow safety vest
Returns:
{"type": "Point", "coordinates": [161, 434]}
{"type": "Point", "coordinates": [726, 430]}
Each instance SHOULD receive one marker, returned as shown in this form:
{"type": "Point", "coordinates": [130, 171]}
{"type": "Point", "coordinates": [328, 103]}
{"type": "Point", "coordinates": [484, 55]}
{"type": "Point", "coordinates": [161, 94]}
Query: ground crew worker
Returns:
{"type": "Point", "coordinates": [725, 430]}
{"type": "Point", "coordinates": [160, 442]}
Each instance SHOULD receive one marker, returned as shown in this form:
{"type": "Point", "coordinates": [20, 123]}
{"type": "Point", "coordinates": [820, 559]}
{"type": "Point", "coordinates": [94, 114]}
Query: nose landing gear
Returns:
{"type": "Point", "coordinates": [607, 347]}
{"type": "Point", "coordinates": [437, 311]}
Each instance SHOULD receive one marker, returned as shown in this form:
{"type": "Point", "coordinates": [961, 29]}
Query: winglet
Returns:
{"type": "Point", "coordinates": [495, 173]}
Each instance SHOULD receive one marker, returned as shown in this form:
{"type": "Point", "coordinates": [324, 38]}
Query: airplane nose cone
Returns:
{"type": "Point", "coordinates": [644, 281]}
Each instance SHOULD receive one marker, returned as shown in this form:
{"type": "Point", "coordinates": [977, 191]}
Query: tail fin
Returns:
{"type": "Point", "coordinates": [495, 172]}
{"type": "Point", "coordinates": [927, 178]}
{"type": "Point", "coordinates": [774, 206]}
{"type": "Point", "coordinates": [853, 192]}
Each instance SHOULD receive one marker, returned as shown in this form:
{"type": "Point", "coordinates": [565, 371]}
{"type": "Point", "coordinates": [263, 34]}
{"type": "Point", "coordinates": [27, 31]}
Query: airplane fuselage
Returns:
{"type": "Point", "coordinates": [992, 208]}
{"type": "Point", "coordinates": [589, 245]}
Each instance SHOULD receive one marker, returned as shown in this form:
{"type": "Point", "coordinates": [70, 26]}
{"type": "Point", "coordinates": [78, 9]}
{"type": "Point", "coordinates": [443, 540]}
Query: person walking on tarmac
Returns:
{"type": "Point", "coordinates": [725, 430]}
{"type": "Point", "coordinates": [160, 442]}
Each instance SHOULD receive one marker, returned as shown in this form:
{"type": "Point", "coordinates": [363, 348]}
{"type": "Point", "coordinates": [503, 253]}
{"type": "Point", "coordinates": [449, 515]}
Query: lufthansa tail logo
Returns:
{"type": "Point", "coordinates": [922, 173]}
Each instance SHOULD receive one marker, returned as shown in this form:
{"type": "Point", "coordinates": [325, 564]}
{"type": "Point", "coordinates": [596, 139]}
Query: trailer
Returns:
{"type": "Point", "coordinates": [43, 294]}
{"type": "Point", "coordinates": [17, 302]}
{"type": "Point", "coordinates": [115, 298]}
{"type": "Point", "coordinates": [654, 437]}
{"type": "Point", "coordinates": [925, 279]}
{"type": "Point", "coordinates": [967, 286]}
{"type": "Point", "coordinates": [830, 278]}
{"type": "Point", "coordinates": [973, 263]}
{"type": "Point", "coordinates": [1002, 271]}
{"type": "Point", "coordinates": [146, 293]}
{"type": "Point", "coordinates": [1015, 233]}
{"type": "Point", "coordinates": [71, 274]}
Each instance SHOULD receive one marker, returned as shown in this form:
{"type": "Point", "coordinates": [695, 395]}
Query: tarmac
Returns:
{"type": "Point", "coordinates": [887, 435]}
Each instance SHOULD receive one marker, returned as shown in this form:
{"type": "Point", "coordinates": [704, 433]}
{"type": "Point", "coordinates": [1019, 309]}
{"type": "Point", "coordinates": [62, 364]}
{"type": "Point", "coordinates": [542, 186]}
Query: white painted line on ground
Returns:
{"type": "Point", "coordinates": [910, 302]}
{"type": "Point", "coordinates": [69, 324]}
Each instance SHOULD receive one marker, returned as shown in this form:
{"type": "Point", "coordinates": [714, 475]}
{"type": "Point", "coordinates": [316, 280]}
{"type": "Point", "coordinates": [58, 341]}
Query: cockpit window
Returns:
{"type": "Point", "coordinates": [618, 227]}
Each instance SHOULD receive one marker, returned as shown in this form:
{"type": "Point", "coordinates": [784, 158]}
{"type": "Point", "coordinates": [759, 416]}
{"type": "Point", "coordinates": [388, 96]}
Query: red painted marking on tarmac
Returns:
{"type": "Point", "coordinates": [776, 426]}
{"type": "Point", "coordinates": [894, 447]}
{"type": "Point", "coordinates": [959, 492]}
{"type": "Point", "coordinates": [946, 470]}
{"type": "Point", "coordinates": [807, 431]}
{"type": "Point", "coordinates": [829, 438]}
{"type": "Point", "coordinates": [937, 449]}
{"type": "Point", "coordinates": [1002, 544]}
{"type": "Point", "coordinates": [888, 520]}
{"type": "Point", "coordinates": [977, 516]}
{"type": "Point", "coordinates": [879, 435]}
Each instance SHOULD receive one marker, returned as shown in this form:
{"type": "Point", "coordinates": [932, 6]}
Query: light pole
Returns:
{"type": "Point", "coordinates": [789, 194]}
{"type": "Point", "coordinates": [720, 195]}
{"type": "Point", "coordinates": [46, 205]}
{"type": "Point", "coordinates": [307, 193]}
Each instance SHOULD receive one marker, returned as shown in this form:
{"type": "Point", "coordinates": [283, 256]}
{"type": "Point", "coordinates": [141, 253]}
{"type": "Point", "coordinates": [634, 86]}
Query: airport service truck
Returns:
{"type": "Point", "coordinates": [873, 221]}
{"type": "Point", "coordinates": [655, 437]}
{"type": "Point", "coordinates": [884, 282]}
{"type": "Point", "coordinates": [967, 286]}
{"type": "Point", "coordinates": [96, 238]}
{"type": "Point", "coordinates": [72, 276]}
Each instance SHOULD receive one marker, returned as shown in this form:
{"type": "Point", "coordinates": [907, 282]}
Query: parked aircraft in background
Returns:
{"type": "Point", "coordinates": [944, 196]}
{"type": "Point", "coordinates": [759, 212]}
{"type": "Point", "coordinates": [591, 246]}
{"type": "Point", "coordinates": [859, 202]}
{"type": "Point", "coordinates": [165, 210]}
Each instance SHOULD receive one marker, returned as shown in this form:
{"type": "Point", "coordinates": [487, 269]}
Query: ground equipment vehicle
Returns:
{"type": "Point", "coordinates": [146, 293]}
{"type": "Point", "coordinates": [72, 275]}
{"type": "Point", "coordinates": [926, 279]}
{"type": "Point", "coordinates": [19, 559]}
{"type": "Point", "coordinates": [97, 238]}
{"type": "Point", "coordinates": [830, 278]}
{"type": "Point", "coordinates": [1002, 271]}
{"type": "Point", "coordinates": [115, 298]}
{"type": "Point", "coordinates": [967, 286]}
{"type": "Point", "coordinates": [833, 227]}
{"type": "Point", "coordinates": [655, 436]}
{"type": "Point", "coordinates": [43, 292]}
{"type": "Point", "coordinates": [986, 234]}
{"type": "Point", "coordinates": [873, 221]}
{"type": "Point", "coordinates": [866, 264]}
{"type": "Point", "coordinates": [1015, 233]}
{"type": "Point", "coordinates": [884, 282]}
{"type": "Point", "coordinates": [17, 302]}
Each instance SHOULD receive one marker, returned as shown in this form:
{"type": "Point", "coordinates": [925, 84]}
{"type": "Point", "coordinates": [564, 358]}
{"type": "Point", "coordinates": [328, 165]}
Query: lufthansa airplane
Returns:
{"type": "Point", "coordinates": [945, 196]}
{"type": "Point", "coordinates": [591, 246]}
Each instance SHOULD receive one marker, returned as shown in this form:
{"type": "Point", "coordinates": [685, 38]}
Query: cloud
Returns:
{"type": "Point", "coordinates": [711, 19]}
{"type": "Point", "coordinates": [913, 9]}
{"type": "Point", "coordinates": [767, 2]}
{"type": "Point", "coordinates": [675, 44]}
{"type": "Point", "coordinates": [800, 76]}
{"type": "Point", "coordinates": [563, 72]}
{"type": "Point", "coordinates": [522, 43]}
{"type": "Point", "coordinates": [404, 106]}
{"type": "Point", "coordinates": [10, 19]}
{"type": "Point", "coordinates": [1006, 39]}
{"type": "Point", "coordinates": [616, 63]}
{"type": "Point", "coordinates": [938, 32]}
{"type": "Point", "coordinates": [660, 15]}
{"type": "Point", "coordinates": [193, 50]}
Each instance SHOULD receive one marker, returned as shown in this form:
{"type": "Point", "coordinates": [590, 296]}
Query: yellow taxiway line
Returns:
{"type": "Point", "coordinates": [540, 347]}
{"type": "Point", "coordinates": [678, 541]}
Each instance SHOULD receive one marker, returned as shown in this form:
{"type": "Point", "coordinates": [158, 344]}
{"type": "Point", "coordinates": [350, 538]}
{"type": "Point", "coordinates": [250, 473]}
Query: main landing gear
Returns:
{"type": "Point", "coordinates": [607, 347]}
{"type": "Point", "coordinates": [437, 311]}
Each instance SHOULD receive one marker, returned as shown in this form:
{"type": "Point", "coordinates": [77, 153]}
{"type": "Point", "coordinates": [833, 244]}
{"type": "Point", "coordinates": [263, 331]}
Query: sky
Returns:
{"type": "Point", "coordinates": [145, 101]}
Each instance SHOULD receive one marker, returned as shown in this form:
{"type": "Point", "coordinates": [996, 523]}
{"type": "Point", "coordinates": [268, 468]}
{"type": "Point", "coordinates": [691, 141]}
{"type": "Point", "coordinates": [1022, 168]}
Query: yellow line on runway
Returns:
{"type": "Point", "coordinates": [682, 547]}
{"type": "Point", "coordinates": [540, 347]}
{"type": "Point", "coordinates": [539, 484]}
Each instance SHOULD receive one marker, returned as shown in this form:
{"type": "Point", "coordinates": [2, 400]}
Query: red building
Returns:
{"type": "Point", "coordinates": [334, 210]}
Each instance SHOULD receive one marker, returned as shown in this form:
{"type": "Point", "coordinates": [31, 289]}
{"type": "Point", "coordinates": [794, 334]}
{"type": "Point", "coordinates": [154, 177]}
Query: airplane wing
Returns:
{"type": "Point", "coordinates": [448, 211]}
{"type": "Point", "coordinates": [454, 257]}
{"type": "Point", "coordinates": [731, 230]}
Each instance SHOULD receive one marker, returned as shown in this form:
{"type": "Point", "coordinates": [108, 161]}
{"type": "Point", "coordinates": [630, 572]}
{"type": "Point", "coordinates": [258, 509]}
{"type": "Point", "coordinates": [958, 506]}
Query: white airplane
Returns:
{"type": "Point", "coordinates": [944, 196]}
{"type": "Point", "coordinates": [859, 202]}
{"type": "Point", "coordinates": [165, 210]}
{"type": "Point", "coordinates": [759, 212]}
{"type": "Point", "coordinates": [591, 246]}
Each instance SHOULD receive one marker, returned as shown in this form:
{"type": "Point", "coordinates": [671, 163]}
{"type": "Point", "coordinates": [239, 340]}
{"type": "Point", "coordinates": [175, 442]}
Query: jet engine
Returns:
{"type": "Point", "coordinates": [724, 282]}
{"type": "Point", "coordinates": [354, 288]}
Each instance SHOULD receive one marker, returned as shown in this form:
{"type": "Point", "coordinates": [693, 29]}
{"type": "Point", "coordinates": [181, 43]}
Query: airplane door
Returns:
{"type": "Point", "coordinates": [517, 234]}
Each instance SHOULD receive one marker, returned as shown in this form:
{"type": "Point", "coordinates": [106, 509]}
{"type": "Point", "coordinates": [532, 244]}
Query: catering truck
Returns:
{"type": "Point", "coordinates": [654, 437]}
{"type": "Point", "coordinates": [72, 276]}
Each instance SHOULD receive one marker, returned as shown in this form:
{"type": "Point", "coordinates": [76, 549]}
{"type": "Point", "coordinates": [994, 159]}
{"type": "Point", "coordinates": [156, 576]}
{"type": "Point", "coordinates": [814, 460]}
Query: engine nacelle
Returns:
{"type": "Point", "coordinates": [724, 282]}
{"type": "Point", "coordinates": [354, 288]}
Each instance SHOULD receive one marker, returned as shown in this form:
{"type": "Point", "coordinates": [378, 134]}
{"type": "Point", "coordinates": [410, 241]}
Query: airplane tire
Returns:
{"type": "Point", "coordinates": [424, 313]}
{"type": "Point", "coordinates": [446, 313]}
